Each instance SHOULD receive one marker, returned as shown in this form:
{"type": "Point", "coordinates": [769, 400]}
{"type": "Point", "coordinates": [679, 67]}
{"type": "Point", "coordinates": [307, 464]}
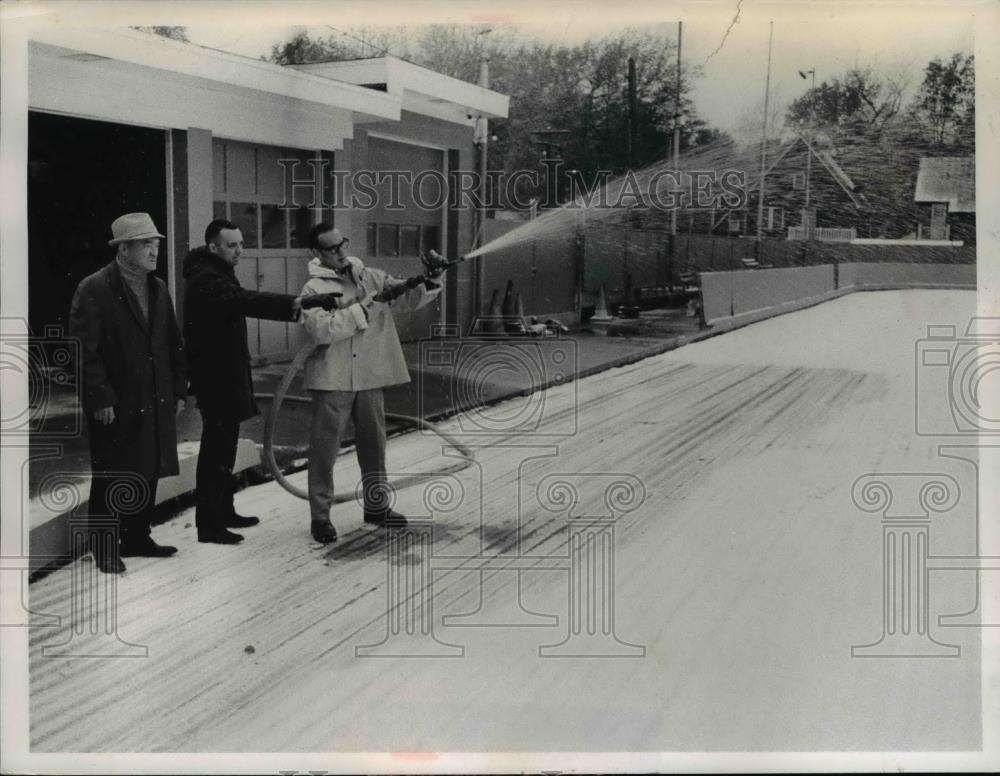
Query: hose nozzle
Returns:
{"type": "Point", "coordinates": [434, 263]}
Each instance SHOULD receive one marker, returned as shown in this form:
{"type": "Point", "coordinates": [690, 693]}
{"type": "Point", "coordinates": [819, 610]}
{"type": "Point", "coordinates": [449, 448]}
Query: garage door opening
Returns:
{"type": "Point", "coordinates": [82, 175]}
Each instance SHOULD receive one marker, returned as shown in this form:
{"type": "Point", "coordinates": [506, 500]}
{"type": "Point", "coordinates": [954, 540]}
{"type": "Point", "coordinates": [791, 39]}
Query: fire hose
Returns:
{"type": "Point", "coordinates": [435, 264]}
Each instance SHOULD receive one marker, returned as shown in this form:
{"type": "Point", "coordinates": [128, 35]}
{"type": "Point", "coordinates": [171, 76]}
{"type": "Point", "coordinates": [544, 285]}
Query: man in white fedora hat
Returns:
{"type": "Point", "coordinates": [133, 383]}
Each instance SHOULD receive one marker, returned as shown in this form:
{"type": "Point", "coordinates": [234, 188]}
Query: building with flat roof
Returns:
{"type": "Point", "coordinates": [122, 120]}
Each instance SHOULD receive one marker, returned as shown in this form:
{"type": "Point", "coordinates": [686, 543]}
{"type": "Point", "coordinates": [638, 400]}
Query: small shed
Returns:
{"type": "Point", "coordinates": [946, 196]}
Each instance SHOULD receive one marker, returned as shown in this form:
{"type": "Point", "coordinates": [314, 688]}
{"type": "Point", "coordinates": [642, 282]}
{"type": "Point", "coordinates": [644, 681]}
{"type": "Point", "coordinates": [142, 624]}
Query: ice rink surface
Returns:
{"type": "Point", "coordinates": [737, 576]}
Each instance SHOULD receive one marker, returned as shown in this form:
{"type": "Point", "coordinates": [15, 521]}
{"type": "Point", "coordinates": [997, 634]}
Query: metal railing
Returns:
{"type": "Point", "coordinates": [826, 234]}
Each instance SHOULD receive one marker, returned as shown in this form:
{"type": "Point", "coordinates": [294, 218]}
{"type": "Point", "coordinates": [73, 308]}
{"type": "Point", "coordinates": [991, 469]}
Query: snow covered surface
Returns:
{"type": "Point", "coordinates": [739, 584]}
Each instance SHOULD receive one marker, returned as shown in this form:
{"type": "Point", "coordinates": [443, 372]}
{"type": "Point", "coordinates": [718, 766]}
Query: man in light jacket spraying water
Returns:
{"type": "Point", "coordinates": [358, 355]}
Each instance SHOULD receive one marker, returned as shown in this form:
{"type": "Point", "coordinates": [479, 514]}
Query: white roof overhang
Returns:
{"type": "Point", "coordinates": [134, 77]}
{"type": "Point", "coordinates": [421, 90]}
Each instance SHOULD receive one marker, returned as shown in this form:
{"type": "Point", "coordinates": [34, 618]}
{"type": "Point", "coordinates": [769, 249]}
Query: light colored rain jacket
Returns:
{"type": "Point", "coordinates": [355, 353]}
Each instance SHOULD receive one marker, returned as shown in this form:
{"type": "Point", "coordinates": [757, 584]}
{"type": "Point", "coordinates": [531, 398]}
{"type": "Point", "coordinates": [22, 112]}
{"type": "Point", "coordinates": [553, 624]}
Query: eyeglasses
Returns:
{"type": "Point", "coordinates": [333, 248]}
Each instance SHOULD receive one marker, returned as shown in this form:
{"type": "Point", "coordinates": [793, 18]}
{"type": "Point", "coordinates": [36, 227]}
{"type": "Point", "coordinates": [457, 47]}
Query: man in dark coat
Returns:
{"type": "Point", "coordinates": [215, 330]}
{"type": "Point", "coordinates": [133, 383]}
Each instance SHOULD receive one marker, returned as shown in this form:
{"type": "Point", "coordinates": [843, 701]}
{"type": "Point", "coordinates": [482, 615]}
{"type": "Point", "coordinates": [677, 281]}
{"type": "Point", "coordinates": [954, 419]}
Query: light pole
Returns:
{"type": "Point", "coordinates": [579, 251]}
{"type": "Point", "coordinates": [812, 139]}
{"type": "Point", "coordinates": [763, 146]}
{"type": "Point", "coordinates": [482, 135]}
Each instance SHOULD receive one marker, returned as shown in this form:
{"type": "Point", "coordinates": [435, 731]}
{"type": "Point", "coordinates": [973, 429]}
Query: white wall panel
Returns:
{"type": "Point", "coordinates": [112, 91]}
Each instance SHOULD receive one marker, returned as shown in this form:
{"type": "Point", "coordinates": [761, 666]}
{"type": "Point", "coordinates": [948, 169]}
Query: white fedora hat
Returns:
{"type": "Point", "coordinates": [133, 226]}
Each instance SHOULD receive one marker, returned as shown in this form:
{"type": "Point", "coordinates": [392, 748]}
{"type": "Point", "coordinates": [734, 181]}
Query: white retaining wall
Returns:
{"type": "Point", "coordinates": [885, 275]}
{"type": "Point", "coordinates": [733, 299]}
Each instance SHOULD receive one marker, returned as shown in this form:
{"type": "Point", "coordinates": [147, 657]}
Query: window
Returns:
{"type": "Point", "coordinates": [244, 215]}
{"type": "Point", "coordinates": [302, 222]}
{"type": "Point", "coordinates": [775, 218]}
{"type": "Point", "coordinates": [405, 240]}
{"type": "Point", "coordinates": [735, 225]}
{"type": "Point", "coordinates": [799, 181]}
{"type": "Point", "coordinates": [409, 240]}
{"type": "Point", "coordinates": [388, 240]}
{"type": "Point", "coordinates": [272, 227]}
{"type": "Point", "coordinates": [252, 190]}
{"type": "Point", "coordinates": [431, 239]}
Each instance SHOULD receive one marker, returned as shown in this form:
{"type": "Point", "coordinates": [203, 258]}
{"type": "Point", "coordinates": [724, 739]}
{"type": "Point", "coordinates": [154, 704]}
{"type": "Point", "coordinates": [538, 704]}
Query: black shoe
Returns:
{"type": "Point", "coordinates": [219, 536]}
{"type": "Point", "coordinates": [239, 521]}
{"type": "Point", "coordinates": [109, 564]}
{"type": "Point", "coordinates": [146, 548]}
{"type": "Point", "coordinates": [324, 533]}
{"type": "Point", "coordinates": [388, 518]}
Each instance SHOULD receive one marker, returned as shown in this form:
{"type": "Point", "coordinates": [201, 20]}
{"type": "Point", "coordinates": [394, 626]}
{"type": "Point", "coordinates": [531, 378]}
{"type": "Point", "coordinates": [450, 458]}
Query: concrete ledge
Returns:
{"type": "Point", "coordinates": [745, 292]}
{"type": "Point", "coordinates": [49, 517]}
{"type": "Point", "coordinates": [905, 286]}
{"type": "Point", "coordinates": [720, 325]}
{"type": "Point", "coordinates": [896, 275]}
{"type": "Point", "coordinates": [745, 287]}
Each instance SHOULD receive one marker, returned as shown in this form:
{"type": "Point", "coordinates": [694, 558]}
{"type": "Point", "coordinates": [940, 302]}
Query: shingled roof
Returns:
{"type": "Point", "coordinates": [827, 161]}
{"type": "Point", "coordinates": [950, 179]}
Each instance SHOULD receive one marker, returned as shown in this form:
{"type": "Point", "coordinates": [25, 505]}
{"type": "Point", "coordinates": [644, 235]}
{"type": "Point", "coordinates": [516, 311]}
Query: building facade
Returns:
{"type": "Point", "coordinates": [807, 194]}
{"type": "Point", "coordinates": [945, 195]}
{"type": "Point", "coordinates": [121, 120]}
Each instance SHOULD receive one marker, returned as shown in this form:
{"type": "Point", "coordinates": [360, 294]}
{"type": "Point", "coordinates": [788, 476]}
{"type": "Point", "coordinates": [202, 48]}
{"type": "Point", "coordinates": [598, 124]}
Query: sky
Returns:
{"type": "Point", "coordinates": [829, 37]}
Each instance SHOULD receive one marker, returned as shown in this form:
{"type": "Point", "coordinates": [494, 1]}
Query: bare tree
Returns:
{"type": "Point", "coordinates": [862, 101]}
{"type": "Point", "coordinates": [174, 33]}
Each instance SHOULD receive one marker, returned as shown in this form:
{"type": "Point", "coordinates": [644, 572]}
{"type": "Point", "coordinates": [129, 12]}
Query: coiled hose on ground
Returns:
{"type": "Point", "coordinates": [280, 396]}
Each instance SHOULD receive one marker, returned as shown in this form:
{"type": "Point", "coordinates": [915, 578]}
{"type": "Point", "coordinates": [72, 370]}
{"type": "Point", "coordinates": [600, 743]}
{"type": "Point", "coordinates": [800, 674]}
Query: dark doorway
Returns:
{"type": "Point", "coordinates": [82, 175]}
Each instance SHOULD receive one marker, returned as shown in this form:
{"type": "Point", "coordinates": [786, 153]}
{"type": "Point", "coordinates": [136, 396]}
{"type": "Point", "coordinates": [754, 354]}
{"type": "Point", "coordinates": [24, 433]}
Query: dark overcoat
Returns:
{"type": "Point", "coordinates": [134, 365]}
{"type": "Point", "coordinates": [216, 308]}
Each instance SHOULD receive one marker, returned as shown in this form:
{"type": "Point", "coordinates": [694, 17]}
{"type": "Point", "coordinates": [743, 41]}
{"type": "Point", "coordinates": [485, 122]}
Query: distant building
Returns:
{"type": "Point", "coordinates": [839, 209]}
{"type": "Point", "coordinates": [946, 196]}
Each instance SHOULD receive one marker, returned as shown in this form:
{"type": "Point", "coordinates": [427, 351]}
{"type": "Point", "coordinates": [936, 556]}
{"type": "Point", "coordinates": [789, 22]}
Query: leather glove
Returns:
{"type": "Point", "coordinates": [326, 301]}
{"type": "Point", "coordinates": [392, 292]}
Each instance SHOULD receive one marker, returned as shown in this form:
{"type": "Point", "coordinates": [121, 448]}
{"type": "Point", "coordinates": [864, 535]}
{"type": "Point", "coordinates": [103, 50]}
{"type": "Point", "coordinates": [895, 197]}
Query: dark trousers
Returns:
{"type": "Point", "coordinates": [330, 411]}
{"type": "Point", "coordinates": [121, 502]}
{"type": "Point", "coordinates": [120, 508]}
{"type": "Point", "coordinates": [214, 484]}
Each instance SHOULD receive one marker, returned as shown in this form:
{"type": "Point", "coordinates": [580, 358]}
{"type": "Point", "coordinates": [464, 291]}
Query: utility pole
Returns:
{"type": "Point", "coordinates": [677, 125]}
{"type": "Point", "coordinates": [809, 220]}
{"type": "Point", "coordinates": [482, 133]}
{"type": "Point", "coordinates": [763, 144]}
{"type": "Point", "coordinates": [632, 113]}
